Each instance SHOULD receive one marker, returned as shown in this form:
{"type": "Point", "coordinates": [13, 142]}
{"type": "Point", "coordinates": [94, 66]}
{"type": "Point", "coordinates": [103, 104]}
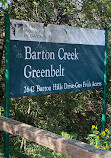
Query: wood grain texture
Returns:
{"type": "Point", "coordinates": [53, 141]}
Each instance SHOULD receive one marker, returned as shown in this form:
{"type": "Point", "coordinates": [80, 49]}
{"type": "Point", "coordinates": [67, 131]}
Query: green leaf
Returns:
{"type": "Point", "coordinates": [4, 2]}
{"type": "Point", "coordinates": [65, 31]}
{"type": "Point", "coordinates": [51, 10]}
{"type": "Point", "coordinates": [96, 132]}
{"type": "Point", "coordinates": [97, 141]}
{"type": "Point", "coordinates": [92, 135]}
{"type": "Point", "coordinates": [64, 13]}
{"type": "Point", "coordinates": [35, 3]}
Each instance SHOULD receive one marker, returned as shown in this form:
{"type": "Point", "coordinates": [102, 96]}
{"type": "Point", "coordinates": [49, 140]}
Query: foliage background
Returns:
{"type": "Point", "coordinates": [60, 112]}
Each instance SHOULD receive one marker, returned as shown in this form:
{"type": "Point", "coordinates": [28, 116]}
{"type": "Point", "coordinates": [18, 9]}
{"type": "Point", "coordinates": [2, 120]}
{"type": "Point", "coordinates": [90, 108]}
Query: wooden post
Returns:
{"type": "Point", "coordinates": [53, 141]}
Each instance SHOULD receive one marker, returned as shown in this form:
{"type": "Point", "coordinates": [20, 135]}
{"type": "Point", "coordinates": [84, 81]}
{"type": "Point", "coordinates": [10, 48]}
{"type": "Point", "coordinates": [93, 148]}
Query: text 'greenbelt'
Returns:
{"type": "Point", "coordinates": [45, 55]}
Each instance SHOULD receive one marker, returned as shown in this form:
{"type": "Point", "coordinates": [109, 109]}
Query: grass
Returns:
{"type": "Point", "coordinates": [32, 150]}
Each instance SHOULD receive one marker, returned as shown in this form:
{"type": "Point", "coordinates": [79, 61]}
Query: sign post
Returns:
{"type": "Point", "coordinates": [7, 89]}
{"type": "Point", "coordinates": [105, 81]}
